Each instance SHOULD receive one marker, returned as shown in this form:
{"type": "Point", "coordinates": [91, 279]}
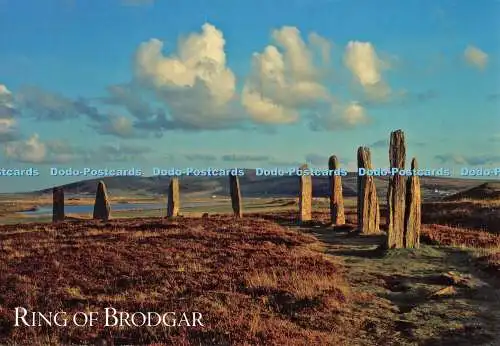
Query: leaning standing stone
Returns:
{"type": "Point", "coordinates": [173, 198]}
{"type": "Point", "coordinates": [305, 197]}
{"type": "Point", "coordinates": [337, 216]}
{"type": "Point", "coordinates": [413, 209]}
{"type": "Point", "coordinates": [234, 190]}
{"type": "Point", "coordinates": [396, 193]}
{"type": "Point", "coordinates": [101, 206]}
{"type": "Point", "coordinates": [57, 204]}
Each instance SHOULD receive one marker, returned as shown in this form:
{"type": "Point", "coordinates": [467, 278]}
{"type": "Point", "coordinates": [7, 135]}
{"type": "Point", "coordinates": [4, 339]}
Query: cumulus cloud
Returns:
{"type": "Point", "coordinates": [194, 83]}
{"type": "Point", "coordinates": [475, 160]}
{"type": "Point", "coordinates": [6, 103]}
{"type": "Point", "coordinates": [8, 130]}
{"type": "Point", "coordinates": [475, 57]}
{"type": "Point", "coordinates": [323, 45]}
{"type": "Point", "coordinates": [34, 150]}
{"type": "Point", "coordinates": [284, 79]}
{"type": "Point", "coordinates": [340, 116]}
{"type": "Point", "coordinates": [366, 66]}
{"type": "Point", "coordinates": [119, 126]}
{"type": "Point", "coordinates": [31, 150]}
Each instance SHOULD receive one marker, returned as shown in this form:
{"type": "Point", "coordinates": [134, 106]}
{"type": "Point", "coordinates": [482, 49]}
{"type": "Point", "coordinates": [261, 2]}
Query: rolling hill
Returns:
{"type": "Point", "coordinates": [486, 191]}
{"type": "Point", "coordinates": [433, 188]}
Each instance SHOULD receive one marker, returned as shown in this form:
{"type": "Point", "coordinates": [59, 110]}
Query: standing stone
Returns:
{"type": "Point", "coordinates": [173, 203]}
{"type": "Point", "coordinates": [305, 197]}
{"type": "Point", "coordinates": [101, 205]}
{"type": "Point", "coordinates": [413, 209]}
{"type": "Point", "coordinates": [234, 190]}
{"type": "Point", "coordinates": [396, 192]}
{"type": "Point", "coordinates": [57, 204]}
{"type": "Point", "coordinates": [368, 207]}
{"type": "Point", "coordinates": [336, 200]}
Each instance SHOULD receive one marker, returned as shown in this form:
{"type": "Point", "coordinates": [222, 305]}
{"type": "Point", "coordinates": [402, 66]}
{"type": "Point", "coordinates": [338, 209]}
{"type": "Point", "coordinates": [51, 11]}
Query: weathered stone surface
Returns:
{"type": "Point", "coordinates": [57, 204]}
{"type": "Point", "coordinates": [305, 197]}
{"type": "Point", "coordinates": [396, 193]}
{"type": "Point", "coordinates": [368, 206]}
{"type": "Point", "coordinates": [337, 216]}
{"type": "Point", "coordinates": [173, 202]}
{"type": "Point", "coordinates": [102, 208]}
{"type": "Point", "coordinates": [234, 190]}
{"type": "Point", "coordinates": [413, 210]}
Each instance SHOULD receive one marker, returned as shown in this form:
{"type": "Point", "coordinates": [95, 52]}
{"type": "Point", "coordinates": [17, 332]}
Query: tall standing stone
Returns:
{"type": "Point", "coordinates": [413, 209]}
{"type": "Point", "coordinates": [396, 193]}
{"type": "Point", "coordinates": [235, 192]}
{"type": "Point", "coordinates": [101, 205]}
{"type": "Point", "coordinates": [368, 206]}
{"type": "Point", "coordinates": [337, 216]}
{"type": "Point", "coordinates": [57, 204]}
{"type": "Point", "coordinates": [173, 203]}
{"type": "Point", "coordinates": [305, 196]}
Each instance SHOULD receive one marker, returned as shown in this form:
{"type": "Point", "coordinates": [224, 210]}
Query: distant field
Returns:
{"type": "Point", "coordinates": [9, 208]}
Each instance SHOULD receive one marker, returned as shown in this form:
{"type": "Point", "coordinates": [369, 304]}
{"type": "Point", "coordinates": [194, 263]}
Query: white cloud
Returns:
{"type": "Point", "coordinates": [119, 126]}
{"type": "Point", "coordinates": [8, 130]}
{"type": "Point", "coordinates": [340, 116]}
{"type": "Point", "coordinates": [281, 83]}
{"type": "Point", "coordinates": [362, 60]}
{"type": "Point", "coordinates": [6, 105]}
{"type": "Point", "coordinates": [4, 90]}
{"type": "Point", "coordinates": [122, 126]}
{"type": "Point", "coordinates": [323, 45]}
{"type": "Point", "coordinates": [31, 150]}
{"type": "Point", "coordinates": [265, 110]}
{"type": "Point", "coordinates": [476, 57]}
{"type": "Point", "coordinates": [354, 114]}
{"type": "Point", "coordinates": [6, 125]}
{"type": "Point", "coordinates": [366, 66]}
{"type": "Point", "coordinates": [195, 83]}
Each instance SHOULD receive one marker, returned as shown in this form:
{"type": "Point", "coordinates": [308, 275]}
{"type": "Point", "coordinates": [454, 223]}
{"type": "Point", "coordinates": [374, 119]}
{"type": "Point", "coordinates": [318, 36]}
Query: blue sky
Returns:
{"type": "Point", "coordinates": [144, 83]}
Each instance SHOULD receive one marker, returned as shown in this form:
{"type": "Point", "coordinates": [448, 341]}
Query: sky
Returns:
{"type": "Point", "coordinates": [262, 83]}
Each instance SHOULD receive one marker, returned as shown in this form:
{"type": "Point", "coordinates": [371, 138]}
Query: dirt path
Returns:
{"type": "Point", "coordinates": [430, 296]}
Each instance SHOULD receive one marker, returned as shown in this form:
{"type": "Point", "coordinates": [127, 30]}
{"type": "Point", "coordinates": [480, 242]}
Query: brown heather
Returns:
{"type": "Point", "coordinates": [255, 282]}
